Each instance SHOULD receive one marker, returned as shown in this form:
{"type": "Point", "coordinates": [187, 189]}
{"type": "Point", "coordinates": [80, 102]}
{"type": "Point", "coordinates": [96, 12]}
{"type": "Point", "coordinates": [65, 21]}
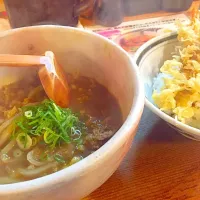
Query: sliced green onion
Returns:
{"type": "Point", "coordinates": [59, 158]}
{"type": "Point", "coordinates": [34, 141]}
{"type": "Point", "coordinates": [28, 114]}
{"type": "Point", "coordinates": [24, 141]}
{"type": "Point", "coordinates": [44, 156]}
{"type": "Point", "coordinates": [75, 159]}
{"type": "Point", "coordinates": [50, 122]}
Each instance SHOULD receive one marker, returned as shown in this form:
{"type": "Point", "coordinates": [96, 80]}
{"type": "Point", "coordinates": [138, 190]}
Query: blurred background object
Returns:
{"type": "Point", "coordinates": [33, 12]}
{"type": "Point", "coordinates": [2, 7]}
{"type": "Point", "coordinates": [4, 23]}
{"type": "Point", "coordinates": [100, 12]}
{"type": "Point", "coordinates": [63, 12]}
{"type": "Point", "coordinates": [175, 5]}
{"type": "Point", "coordinates": [109, 12]}
{"type": "Point", "coordinates": [137, 7]}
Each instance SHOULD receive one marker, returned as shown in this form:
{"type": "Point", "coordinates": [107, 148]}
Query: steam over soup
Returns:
{"type": "Point", "coordinates": [37, 137]}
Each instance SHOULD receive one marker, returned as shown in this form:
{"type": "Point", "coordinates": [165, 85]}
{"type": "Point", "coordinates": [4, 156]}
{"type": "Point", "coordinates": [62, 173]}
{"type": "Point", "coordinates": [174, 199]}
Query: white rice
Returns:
{"type": "Point", "coordinates": [158, 81]}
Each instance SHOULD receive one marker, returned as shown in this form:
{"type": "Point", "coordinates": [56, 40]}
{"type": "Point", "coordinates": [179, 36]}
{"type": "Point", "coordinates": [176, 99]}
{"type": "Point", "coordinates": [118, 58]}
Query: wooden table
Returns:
{"type": "Point", "coordinates": [161, 164]}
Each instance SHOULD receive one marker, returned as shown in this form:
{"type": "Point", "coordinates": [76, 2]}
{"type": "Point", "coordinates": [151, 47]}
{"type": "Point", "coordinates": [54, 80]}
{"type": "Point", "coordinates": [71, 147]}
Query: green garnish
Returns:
{"type": "Point", "coordinates": [59, 158]}
{"type": "Point", "coordinates": [54, 124]}
{"type": "Point", "coordinates": [44, 156]}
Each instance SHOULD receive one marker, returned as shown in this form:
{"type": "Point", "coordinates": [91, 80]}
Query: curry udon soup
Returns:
{"type": "Point", "coordinates": [37, 137]}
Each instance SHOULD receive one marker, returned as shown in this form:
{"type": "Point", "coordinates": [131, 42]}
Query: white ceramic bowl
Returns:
{"type": "Point", "coordinates": [93, 56]}
{"type": "Point", "coordinates": [150, 57]}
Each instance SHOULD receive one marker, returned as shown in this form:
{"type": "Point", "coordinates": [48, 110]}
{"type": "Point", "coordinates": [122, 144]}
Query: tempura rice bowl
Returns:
{"type": "Point", "coordinates": [150, 57]}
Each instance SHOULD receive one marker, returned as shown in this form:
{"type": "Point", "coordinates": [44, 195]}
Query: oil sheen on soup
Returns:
{"type": "Point", "coordinates": [37, 137]}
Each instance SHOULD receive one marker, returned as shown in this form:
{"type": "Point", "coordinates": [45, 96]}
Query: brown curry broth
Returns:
{"type": "Point", "coordinates": [90, 97]}
{"type": "Point", "coordinates": [95, 104]}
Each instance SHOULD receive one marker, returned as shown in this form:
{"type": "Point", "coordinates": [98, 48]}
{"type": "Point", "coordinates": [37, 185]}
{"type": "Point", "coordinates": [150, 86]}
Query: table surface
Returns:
{"type": "Point", "coordinates": [161, 163]}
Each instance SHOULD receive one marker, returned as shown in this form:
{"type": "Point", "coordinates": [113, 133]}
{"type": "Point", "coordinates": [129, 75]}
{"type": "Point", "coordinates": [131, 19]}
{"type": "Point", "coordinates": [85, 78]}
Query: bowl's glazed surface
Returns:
{"type": "Point", "coordinates": [93, 56]}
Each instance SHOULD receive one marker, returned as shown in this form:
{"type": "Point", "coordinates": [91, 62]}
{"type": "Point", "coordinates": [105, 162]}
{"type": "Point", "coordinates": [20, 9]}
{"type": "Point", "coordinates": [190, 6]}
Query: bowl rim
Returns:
{"type": "Point", "coordinates": [86, 165]}
{"type": "Point", "coordinates": [138, 56]}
